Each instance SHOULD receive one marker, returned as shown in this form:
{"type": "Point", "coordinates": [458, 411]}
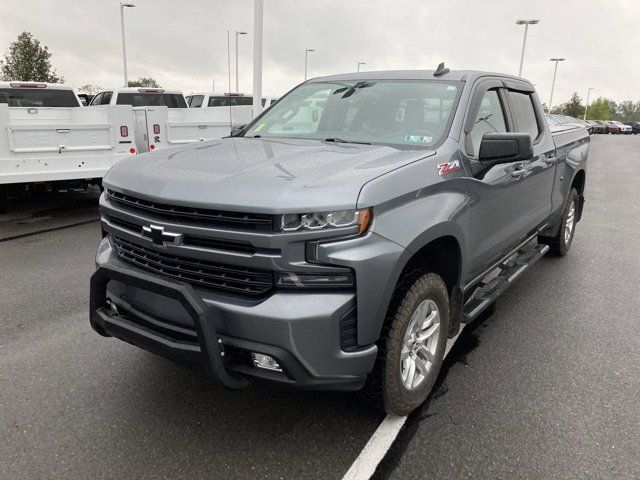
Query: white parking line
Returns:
{"type": "Point", "coordinates": [380, 442]}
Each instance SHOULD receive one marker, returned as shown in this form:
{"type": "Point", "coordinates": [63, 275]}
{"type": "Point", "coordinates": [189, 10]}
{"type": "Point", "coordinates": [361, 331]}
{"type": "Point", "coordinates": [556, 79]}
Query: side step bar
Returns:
{"type": "Point", "coordinates": [487, 292]}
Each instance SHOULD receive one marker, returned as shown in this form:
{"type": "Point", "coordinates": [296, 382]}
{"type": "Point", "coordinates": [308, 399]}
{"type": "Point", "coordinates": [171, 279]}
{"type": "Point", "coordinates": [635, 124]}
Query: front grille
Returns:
{"type": "Point", "coordinates": [212, 218]}
{"type": "Point", "coordinates": [192, 240]}
{"type": "Point", "coordinates": [216, 276]}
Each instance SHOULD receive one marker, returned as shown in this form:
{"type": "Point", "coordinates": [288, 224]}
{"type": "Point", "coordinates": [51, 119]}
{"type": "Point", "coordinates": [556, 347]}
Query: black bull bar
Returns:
{"type": "Point", "coordinates": [210, 344]}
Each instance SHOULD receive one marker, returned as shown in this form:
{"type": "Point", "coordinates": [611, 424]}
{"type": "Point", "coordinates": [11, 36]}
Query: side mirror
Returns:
{"type": "Point", "coordinates": [237, 129]}
{"type": "Point", "coordinates": [506, 147]}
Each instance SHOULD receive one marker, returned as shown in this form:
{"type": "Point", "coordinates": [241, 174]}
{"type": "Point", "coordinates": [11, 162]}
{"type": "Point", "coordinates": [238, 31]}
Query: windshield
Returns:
{"type": "Point", "coordinates": [171, 100]}
{"type": "Point", "coordinates": [38, 97]}
{"type": "Point", "coordinates": [403, 114]}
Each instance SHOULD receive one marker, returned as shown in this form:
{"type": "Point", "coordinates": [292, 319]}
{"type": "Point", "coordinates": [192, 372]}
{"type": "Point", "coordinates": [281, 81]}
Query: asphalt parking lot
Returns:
{"type": "Point", "coordinates": [547, 387]}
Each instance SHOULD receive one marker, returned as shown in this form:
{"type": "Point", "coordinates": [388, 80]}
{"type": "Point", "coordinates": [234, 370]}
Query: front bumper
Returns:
{"type": "Point", "coordinates": [301, 331]}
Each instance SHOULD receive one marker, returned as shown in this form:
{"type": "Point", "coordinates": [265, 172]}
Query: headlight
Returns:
{"type": "Point", "coordinates": [292, 222]}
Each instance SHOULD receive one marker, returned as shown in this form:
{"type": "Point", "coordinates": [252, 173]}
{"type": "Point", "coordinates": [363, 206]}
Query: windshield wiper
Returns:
{"type": "Point", "coordinates": [340, 140]}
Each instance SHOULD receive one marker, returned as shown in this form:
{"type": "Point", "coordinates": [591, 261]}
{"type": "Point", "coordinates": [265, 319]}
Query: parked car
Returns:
{"type": "Point", "coordinates": [597, 126]}
{"type": "Point", "coordinates": [48, 141]}
{"type": "Point", "coordinates": [635, 127]}
{"type": "Point", "coordinates": [624, 128]}
{"type": "Point", "coordinates": [341, 256]}
{"type": "Point", "coordinates": [611, 127]}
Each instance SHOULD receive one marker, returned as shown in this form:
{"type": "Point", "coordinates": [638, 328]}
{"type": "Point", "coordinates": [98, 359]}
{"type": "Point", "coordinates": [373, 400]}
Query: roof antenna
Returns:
{"type": "Point", "coordinates": [441, 70]}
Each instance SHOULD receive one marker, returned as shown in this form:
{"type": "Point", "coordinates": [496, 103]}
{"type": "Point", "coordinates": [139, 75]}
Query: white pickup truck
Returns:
{"type": "Point", "coordinates": [49, 138]}
{"type": "Point", "coordinates": [163, 119]}
{"type": "Point", "coordinates": [236, 105]}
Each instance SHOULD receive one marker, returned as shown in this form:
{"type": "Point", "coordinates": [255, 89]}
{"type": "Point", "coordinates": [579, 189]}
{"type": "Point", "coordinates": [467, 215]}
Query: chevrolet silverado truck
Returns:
{"type": "Point", "coordinates": [341, 249]}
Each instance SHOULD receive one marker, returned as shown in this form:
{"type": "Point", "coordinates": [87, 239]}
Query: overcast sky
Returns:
{"type": "Point", "coordinates": [183, 43]}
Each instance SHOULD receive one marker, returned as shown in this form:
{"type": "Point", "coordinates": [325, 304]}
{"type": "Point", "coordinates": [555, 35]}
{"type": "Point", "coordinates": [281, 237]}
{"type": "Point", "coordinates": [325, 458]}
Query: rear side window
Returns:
{"type": "Point", "coordinates": [141, 99]}
{"type": "Point", "coordinates": [38, 97]}
{"type": "Point", "coordinates": [490, 119]}
{"type": "Point", "coordinates": [106, 98]}
{"type": "Point", "coordinates": [196, 101]}
{"type": "Point", "coordinates": [218, 102]}
{"type": "Point", "coordinates": [524, 115]}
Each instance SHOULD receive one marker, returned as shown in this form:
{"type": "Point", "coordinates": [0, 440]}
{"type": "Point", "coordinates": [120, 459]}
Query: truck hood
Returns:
{"type": "Point", "coordinates": [258, 174]}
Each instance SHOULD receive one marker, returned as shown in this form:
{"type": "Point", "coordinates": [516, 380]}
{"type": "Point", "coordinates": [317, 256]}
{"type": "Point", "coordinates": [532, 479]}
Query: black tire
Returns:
{"type": "Point", "coordinates": [560, 245]}
{"type": "Point", "coordinates": [384, 388]}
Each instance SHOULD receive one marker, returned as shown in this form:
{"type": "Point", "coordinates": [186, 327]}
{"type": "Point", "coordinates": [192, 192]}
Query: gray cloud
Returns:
{"type": "Point", "coordinates": [183, 44]}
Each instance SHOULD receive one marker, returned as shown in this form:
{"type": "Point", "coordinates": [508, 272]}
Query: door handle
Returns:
{"type": "Point", "coordinates": [550, 160]}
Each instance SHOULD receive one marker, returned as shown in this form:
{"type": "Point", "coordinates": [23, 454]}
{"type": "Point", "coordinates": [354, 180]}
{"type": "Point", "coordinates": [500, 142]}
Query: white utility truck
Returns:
{"type": "Point", "coordinates": [49, 140]}
{"type": "Point", "coordinates": [163, 119]}
{"type": "Point", "coordinates": [237, 105]}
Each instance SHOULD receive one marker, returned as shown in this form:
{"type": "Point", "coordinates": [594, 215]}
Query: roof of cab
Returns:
{"type": "Point", "coordinates": [24, 84]}
{"type": "Point", "coordinates": [147, 90]}
{"type": "Point", "coordinates": [453, 75]}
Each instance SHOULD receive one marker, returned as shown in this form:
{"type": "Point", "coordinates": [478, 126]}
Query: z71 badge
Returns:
{"type": "Point", "coordinates": [448, 167]}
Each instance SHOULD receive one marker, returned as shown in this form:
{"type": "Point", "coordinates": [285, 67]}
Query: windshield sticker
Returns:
{"type": "Point", "coordinates": [448, 167]}
{"type": "Point", "coordinates": [417, 139]}
{"type": "Point", "coordinates": [259, 127]}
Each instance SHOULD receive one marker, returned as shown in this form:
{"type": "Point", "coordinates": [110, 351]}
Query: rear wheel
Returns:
{"type": "Point", "coordinates": [412, 345]}
{"type": "Point", "coordinates": [561, 243]}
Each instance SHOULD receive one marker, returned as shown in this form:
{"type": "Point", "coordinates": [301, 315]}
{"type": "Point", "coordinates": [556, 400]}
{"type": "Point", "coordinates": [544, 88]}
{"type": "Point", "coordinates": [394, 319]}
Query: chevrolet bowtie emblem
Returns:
{"type": "Point", "coordinates": [161, 238]}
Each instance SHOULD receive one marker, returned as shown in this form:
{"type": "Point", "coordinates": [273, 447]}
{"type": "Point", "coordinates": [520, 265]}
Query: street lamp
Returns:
{"type": "Point", "coordinates": [306, 60]}
{"type": "Point", "coordinates": [553, 83]}
{"type": "Point", "coordinates": [360, 63]}
{"type": "Point", "coordinates": [237, 35]}
{"type": "Point", "coordinates": [587, 106]}
{"type": "Point", "coordinates": [124, 5]}
{"type": "Point", "coordinates": [526, 24]}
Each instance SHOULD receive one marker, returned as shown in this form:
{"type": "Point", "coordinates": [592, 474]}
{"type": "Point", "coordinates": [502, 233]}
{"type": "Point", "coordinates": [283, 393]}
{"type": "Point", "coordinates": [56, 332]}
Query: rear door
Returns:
{"type": "Point", "coordinates": [540, 169]}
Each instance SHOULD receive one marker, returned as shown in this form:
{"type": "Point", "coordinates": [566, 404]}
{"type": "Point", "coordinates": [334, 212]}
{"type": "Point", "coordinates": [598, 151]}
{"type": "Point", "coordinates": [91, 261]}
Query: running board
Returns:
{"type": "Point", "coordinates": [487, 292]}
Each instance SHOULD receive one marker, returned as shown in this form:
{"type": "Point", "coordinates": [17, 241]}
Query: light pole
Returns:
{"type": "Point", "coordinates": [124, 5]}
{"type": "Point", "coordinates": [360, 63]}
{"type": "Point", "coordinates": [587, 105]}
{"type": "Point", "coordinates": [553, 83]}
{"type": "Point", "coordinates": [237, 35]}
{"type": "Point", "coordinates": [306, 60]}
{"type": "Point", "coordinates": [258, 27]}
{"type": "Point", "coordinates": [229, 61]}
{"type": "Point", "coordinates": [526, 24]}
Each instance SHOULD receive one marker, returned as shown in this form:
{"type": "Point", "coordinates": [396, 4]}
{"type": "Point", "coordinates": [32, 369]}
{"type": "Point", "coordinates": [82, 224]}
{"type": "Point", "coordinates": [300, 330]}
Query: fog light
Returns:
{"type": "Point", "coordinates": [265, 361]}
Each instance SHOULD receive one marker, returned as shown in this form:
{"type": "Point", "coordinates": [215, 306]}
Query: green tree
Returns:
{"type": "Point", "coordinates": [144, 82]}
{"type": "Point", "coordinates": [628, 111]}
{"type": "Point", "coordinates": [28, 60]}
{"type": "Point", "coordinates": [600, 109]}
{"type": "Point", "coordinates": [573, 107]}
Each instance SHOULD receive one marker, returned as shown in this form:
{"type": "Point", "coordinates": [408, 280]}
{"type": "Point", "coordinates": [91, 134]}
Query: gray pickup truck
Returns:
{"type": "Point", "coordinates": [339, 239]}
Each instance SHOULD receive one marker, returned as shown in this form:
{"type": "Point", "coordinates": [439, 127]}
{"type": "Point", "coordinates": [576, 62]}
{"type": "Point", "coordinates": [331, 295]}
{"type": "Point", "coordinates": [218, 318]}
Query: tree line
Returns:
{"type": "Point", "coordinates": [600, 109]}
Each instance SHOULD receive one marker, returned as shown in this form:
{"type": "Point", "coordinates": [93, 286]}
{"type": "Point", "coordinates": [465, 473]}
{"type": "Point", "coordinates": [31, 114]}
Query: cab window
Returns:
{"type": "Point", "coordinates": [490, 119]}
{"type": "Point", "coordinates": [524, 115]}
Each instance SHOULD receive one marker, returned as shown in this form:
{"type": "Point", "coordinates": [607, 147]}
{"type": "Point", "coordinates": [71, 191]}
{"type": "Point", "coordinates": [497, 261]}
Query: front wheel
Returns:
{"type": "Point", "coordinates": [561, 243]}
{"type": "Point", "coordinates": [412, 345]}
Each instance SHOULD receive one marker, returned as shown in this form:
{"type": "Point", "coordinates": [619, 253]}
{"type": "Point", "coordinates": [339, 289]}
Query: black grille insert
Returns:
{"type": "Point", "coordinates": [214, 218]}
{"type": "Point", "coordinates": [217, 276]}
{"type": "Point", "coordinates": [192, 240]}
